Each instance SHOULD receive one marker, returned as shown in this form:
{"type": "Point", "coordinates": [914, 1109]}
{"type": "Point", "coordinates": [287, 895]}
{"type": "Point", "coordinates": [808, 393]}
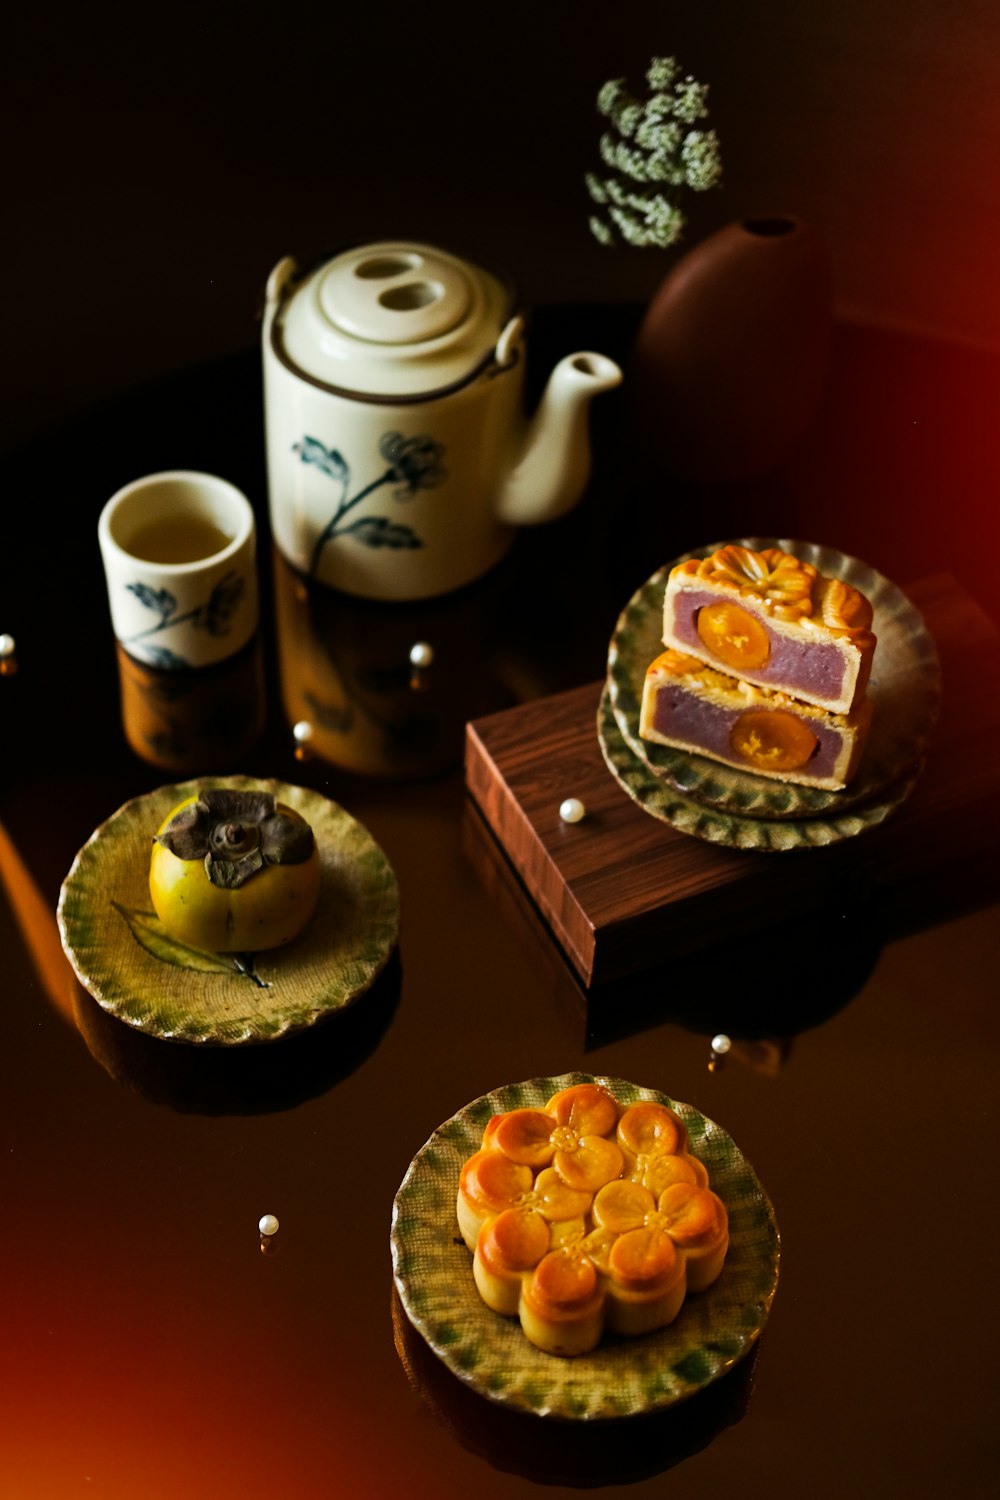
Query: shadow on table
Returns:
{"type": "Point", "coordinates": [253, 1078]}
{"type": "Point", "coordinates": [786, 979]}
{"type": "Point", "coordinates": [752, 988]}
{"type": "Point", "coordinates": [585, 1454]}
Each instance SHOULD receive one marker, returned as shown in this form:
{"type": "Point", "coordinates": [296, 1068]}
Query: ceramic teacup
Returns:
{"type": "Point", "coordinates": [179, 552]}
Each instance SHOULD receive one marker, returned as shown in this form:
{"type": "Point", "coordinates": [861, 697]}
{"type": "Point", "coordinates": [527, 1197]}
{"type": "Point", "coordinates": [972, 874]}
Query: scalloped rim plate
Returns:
{"type": "Point", "coordinates": [622, 1377]}
{"type": "Point", "coordinates": [905, 689]}
{"type": "Point", "coordinates": [336, 958]}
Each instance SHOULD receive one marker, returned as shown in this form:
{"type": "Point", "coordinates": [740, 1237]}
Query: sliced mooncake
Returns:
{"type": "Point", "coordinates": [693, 707]}
{"type": "Point", "coordinates": [773, 620]}
{"type": "Point", "coordinates": [583, 1216]}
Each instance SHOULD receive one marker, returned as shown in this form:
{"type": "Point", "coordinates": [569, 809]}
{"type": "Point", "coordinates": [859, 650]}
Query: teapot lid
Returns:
{"type": "Point", "coordinates": [392, 320]}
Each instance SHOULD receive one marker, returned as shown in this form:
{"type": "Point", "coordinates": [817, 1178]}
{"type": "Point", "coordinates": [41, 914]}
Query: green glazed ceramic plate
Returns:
{"type": "Point", "coordinates": [657, 796]}
{"type": "Point", "coordinates": [128, 963]}
{"type": "Point", "coordinates": [905, 689]}
{"type": "Point", "coordinates": [622, 1377]}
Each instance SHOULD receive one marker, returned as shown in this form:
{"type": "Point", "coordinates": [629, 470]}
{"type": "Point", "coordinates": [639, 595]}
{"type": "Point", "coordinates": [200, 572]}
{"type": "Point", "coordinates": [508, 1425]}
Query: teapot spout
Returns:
{"type": "Point", "coordinates": [551, 471]}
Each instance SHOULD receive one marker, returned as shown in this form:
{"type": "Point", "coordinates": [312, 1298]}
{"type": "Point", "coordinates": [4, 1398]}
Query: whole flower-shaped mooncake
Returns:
{"type": "Point", "coordinates": [583, 1216]}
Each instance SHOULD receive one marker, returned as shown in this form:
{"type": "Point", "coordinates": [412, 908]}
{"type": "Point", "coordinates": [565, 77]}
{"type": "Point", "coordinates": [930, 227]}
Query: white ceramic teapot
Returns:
{"type": "Point", "coordinates": [399, 458]}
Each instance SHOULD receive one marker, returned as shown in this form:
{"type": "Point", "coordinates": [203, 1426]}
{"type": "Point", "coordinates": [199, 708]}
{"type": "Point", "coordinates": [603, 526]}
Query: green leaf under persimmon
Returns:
{"type": "Point", "coordinates": [150, 933]}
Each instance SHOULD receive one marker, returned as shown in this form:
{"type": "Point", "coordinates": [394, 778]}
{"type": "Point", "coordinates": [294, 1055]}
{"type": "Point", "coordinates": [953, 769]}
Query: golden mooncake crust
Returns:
{"type": "Point", "coordinates": [791, 589]}
{"type": "Point", "coordinates": [735, 608]}
{"type": "Point", "coordinates": [602, 1233]}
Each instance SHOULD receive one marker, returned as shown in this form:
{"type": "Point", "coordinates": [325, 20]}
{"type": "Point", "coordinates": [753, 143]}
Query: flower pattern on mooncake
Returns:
{"type": "Point", "coordinates": [772, 619]}
{"type": "Point", "coordinates": [583, 1216]}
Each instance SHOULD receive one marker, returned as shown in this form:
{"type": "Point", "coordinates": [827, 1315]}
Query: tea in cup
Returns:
{"type": "Point", "coordinates": [179, 552]}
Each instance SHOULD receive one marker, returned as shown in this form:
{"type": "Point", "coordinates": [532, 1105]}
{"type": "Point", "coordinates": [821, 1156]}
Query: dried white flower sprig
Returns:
{"type": "Point", "coordinates": [653, 144]}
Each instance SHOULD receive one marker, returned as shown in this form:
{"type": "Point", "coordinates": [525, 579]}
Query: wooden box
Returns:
{"type": "Point", "coordinates": [622, 891]}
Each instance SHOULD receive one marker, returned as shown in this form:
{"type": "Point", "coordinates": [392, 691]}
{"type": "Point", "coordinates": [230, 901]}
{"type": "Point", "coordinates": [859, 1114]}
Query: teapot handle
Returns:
{"type": "Point", "coordinates": [508, 349]}
{"type": "Point", "coordinates": [279, 279]}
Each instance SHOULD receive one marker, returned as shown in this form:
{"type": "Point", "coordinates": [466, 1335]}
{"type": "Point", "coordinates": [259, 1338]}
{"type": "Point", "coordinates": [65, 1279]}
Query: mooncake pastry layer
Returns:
{"type": "Point", "coordinates": [695, 708]}
{"type": "Point", "coordinates": [585, 1215]}
{"type": "Point", "coordinates": [771, 619]}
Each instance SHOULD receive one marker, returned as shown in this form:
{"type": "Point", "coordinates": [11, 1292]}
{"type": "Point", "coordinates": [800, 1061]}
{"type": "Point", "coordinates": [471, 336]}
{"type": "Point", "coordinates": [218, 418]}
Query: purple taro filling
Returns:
{"type": "Point", "coordinates": [810, 667]}
{"type": "Point", "coordinates": [681, 716]}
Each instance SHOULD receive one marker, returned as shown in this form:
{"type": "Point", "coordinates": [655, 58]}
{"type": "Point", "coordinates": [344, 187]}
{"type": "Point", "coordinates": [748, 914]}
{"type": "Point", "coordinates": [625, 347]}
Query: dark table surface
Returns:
{"type": "Point", "coordinates": [151, 1349]}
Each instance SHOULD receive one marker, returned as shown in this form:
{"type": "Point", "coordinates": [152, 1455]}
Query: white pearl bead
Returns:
{"type": "Point", "coordinates": [6, 645]}
{"type": "Point", "coordinates": [572, 810]}
{"type": "Point", "coordinates": [421, 654]}
{"type": "Point", "coordinates": [721, 1044]}
{"type": "Point", "coordinates": [268, 1225]}
{"type": "Point", "coordinates": [302, 732]}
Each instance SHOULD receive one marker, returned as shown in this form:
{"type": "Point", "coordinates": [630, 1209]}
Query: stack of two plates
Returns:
{"type": "Point", "coordinates": [735, 808]}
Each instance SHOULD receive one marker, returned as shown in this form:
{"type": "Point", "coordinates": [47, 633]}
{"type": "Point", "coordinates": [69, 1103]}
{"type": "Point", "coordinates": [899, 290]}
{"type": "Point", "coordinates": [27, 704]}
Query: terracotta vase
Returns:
{"type": "Point", "coordinates": [730, 359]}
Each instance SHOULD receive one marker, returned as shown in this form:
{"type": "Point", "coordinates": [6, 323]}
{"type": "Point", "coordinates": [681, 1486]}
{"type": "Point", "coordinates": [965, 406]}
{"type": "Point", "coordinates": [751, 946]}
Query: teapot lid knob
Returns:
{"type": "Point", "coordinates": [395, 295]}
{"type": "Point", "coordinates": [394, 319]}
